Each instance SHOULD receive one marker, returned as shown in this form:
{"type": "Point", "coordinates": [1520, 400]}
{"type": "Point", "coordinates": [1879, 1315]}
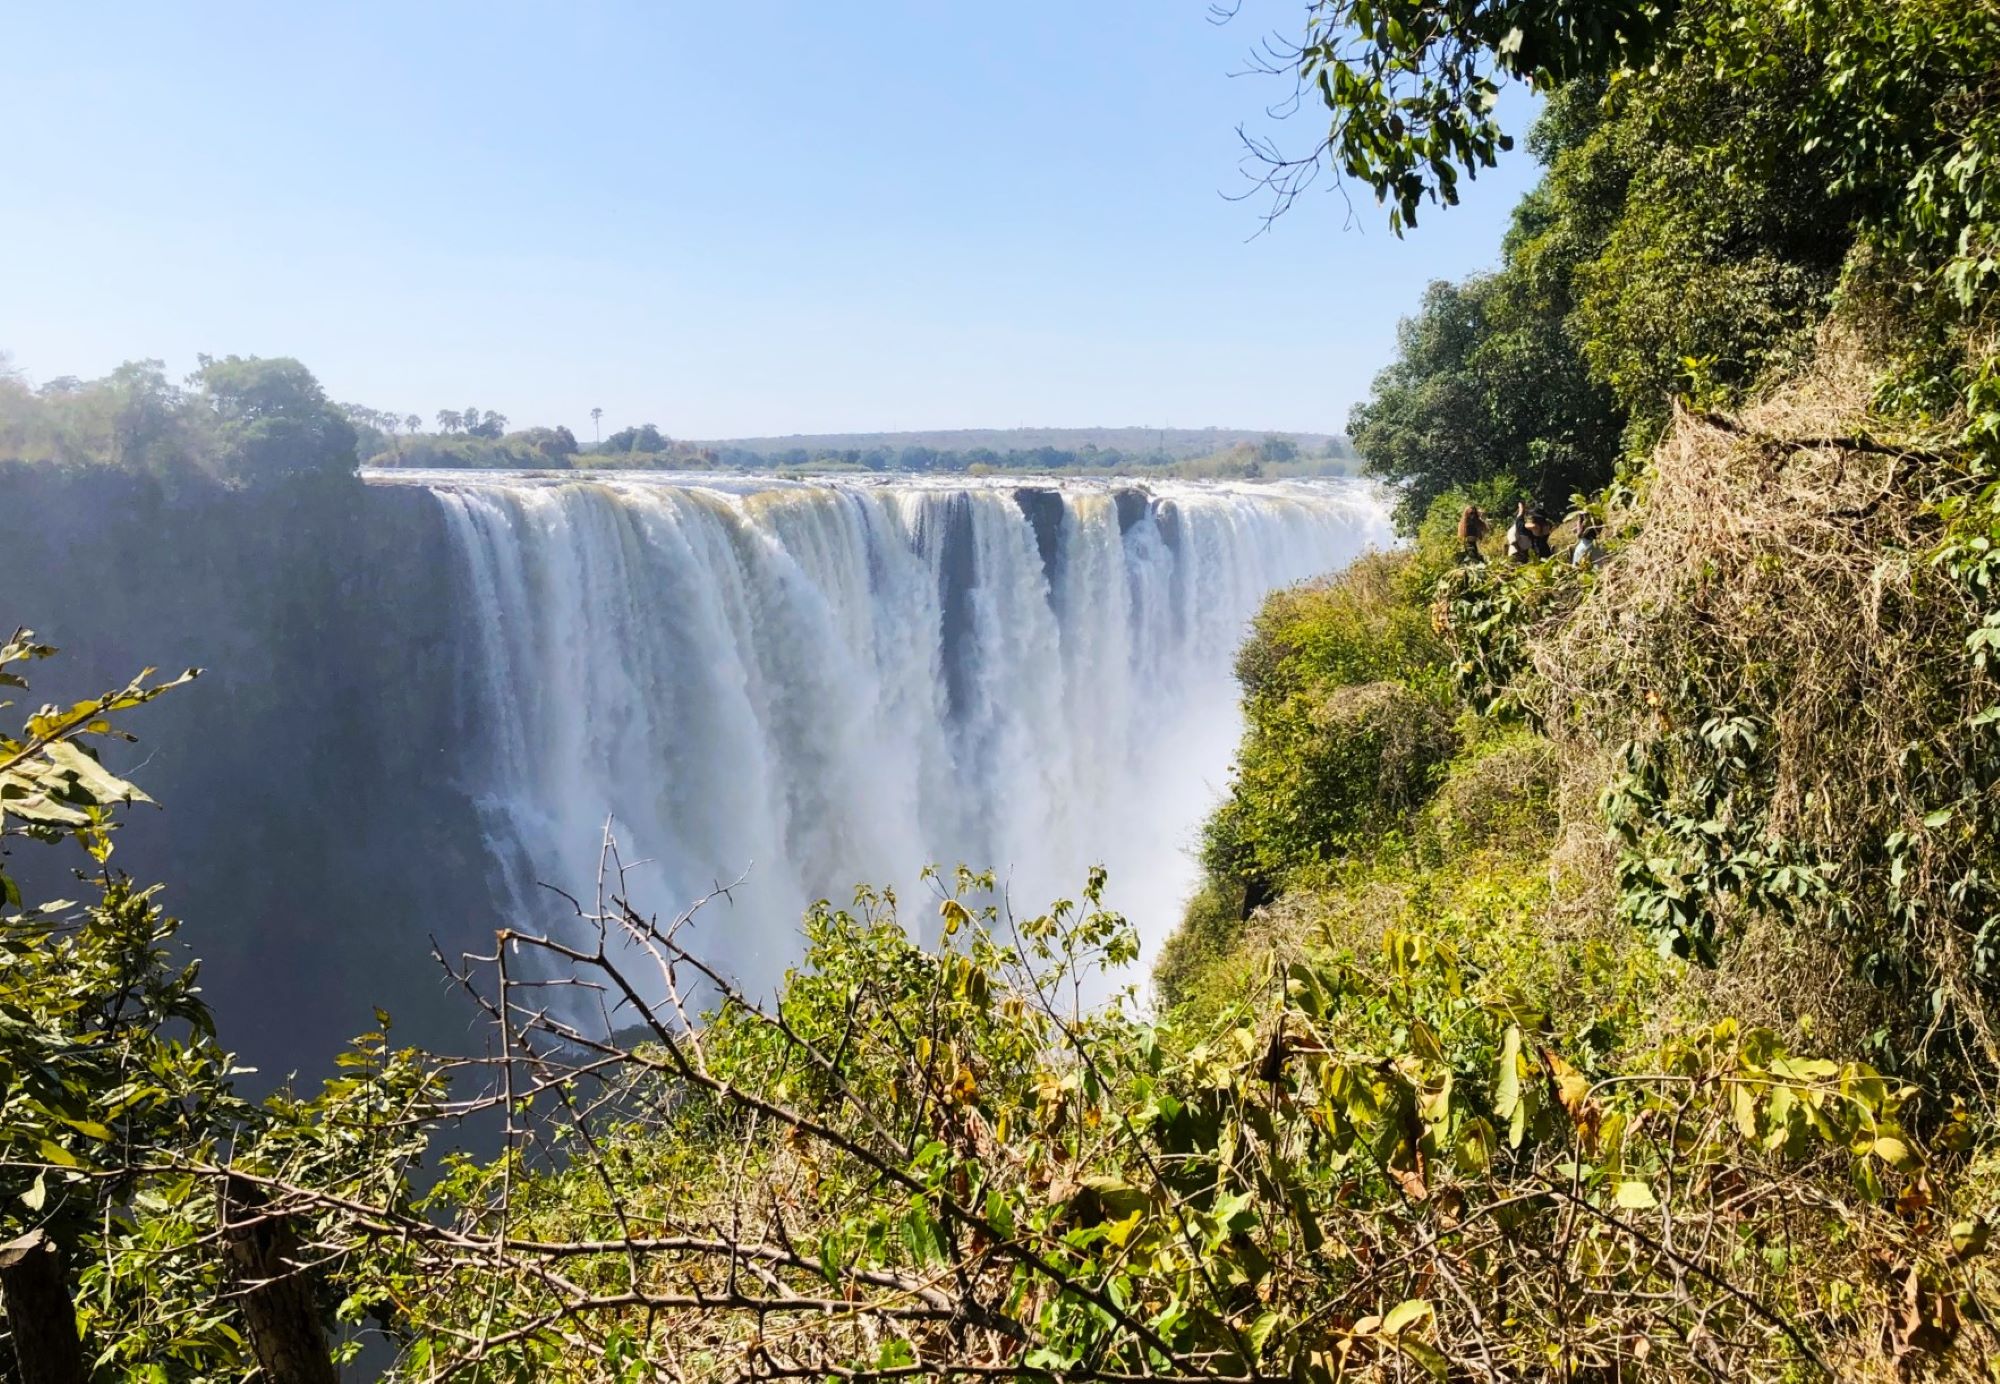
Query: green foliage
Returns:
{"type": "Point", "coordinates": [1715, 258]}
{"type": "Point", "coordinates": [118, 1112]}
{"type": "Point", "coordinates": [1713, 171]}
{"type": "Point", "coordinates": [1342, 685]}
{"type": "Point", "coordinates": [133, 418]}
{"type": "Point", "coordinates": [1318, 778]}
{"type": "Point", "coordinates": [1498, 793]}
{"type": "Point", "coordinates": [1485, 616]}
{"type": "Point", "coordinates": [1278, 1190]}
{"type": "Point", "coordinates": [1686, 241]}
{"type": "Point", "coordinates": [1412, 86]}
{"type": "Point", "coordinates": [52, 784]}
{"type": "Point", "coordinates": [244, 420]}
{"type": "Point", "coordinates": [533, 449]}
{"type": "Point", "coordinates": [1429, 425]}
{"type": "Point", "coordinates": [1786, 684]}
{"type": "Point", "coordinates": [1365, 624]}
{"type": "Point", "coordinates": [647, 438]}
{"type": "Point", "coordinates": [1488, 385]}
{"type": "Point", "coordinates": [1210, 931]}
{"type": "Point", "coordinates": [110, 1072]}
{"type": "Point", "coordinates": [1710, 192]}
{"type": "Point", "coordinates": [1691, 811]}
{"type": "Point", "coordinates": [274, 420]}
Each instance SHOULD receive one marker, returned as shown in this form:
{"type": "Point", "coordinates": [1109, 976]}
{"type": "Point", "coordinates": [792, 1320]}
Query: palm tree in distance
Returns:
{"type": "Point", "coordinates": [596, 433]}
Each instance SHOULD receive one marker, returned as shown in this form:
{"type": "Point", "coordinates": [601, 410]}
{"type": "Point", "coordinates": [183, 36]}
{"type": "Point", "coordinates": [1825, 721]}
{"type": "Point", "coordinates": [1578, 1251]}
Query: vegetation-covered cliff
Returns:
{"type": "Point", "coordinates": [318, 833]}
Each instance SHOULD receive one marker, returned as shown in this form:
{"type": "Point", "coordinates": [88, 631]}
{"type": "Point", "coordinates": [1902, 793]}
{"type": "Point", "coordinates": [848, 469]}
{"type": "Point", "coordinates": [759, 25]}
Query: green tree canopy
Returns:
{"type": "Point", "coordinates": [274, 419]}
{"type": "Point", "coordinates": [1715, 172]}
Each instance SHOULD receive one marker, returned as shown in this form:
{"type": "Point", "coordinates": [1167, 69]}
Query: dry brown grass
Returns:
{"type": "Point", "coordinates": [1776, 565]}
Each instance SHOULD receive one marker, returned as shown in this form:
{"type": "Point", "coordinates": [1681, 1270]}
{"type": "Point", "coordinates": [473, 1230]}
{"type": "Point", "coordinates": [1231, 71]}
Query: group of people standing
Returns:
{"type": "Point", "coordinates": [1527, 537]}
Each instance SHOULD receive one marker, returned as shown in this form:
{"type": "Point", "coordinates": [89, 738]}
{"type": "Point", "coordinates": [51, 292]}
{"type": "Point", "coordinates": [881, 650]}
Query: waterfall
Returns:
{"type": "Point", "coordinates": [836, 682]}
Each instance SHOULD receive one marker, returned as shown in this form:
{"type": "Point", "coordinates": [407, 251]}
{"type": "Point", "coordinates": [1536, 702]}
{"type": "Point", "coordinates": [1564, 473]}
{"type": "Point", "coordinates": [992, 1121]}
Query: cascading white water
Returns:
{"type": "Point", "coordinates": [839, 682]}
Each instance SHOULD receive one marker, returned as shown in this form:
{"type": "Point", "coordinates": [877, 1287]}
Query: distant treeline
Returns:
{"type": "Point", "coordinates": [236, 419]}
{"type": "Point", "coordinates": [487, 445]}
{"type": "Point", "coordinates": [1173, 444]}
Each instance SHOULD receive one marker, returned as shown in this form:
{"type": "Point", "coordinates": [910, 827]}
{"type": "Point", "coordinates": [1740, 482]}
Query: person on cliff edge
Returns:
{"type": "Point", "coordinates": [1472, 528]}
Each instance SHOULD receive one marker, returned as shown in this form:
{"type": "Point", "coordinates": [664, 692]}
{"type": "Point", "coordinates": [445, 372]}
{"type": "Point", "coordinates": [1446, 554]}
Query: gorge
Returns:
{"type": "Point", "coordinates": [430, 693]}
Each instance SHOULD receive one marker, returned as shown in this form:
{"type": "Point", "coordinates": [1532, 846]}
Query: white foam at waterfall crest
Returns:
{"type": "Point", "coordinates": [836, 683]}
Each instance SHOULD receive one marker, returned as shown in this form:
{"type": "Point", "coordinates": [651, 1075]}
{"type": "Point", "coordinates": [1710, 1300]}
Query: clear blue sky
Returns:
{"type": "Point", "coordinates": [728, 218]}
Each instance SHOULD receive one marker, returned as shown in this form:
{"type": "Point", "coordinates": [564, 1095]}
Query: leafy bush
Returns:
{"type": "Point", "coordinates": [1209, 933]}
{"type": "Point", "coordinates": [1498, 794]}
{"type": "Point", "coordinates": [1315, 777]}
{"type": "Point", "coordinates": [1359, 626]}
{"type": "Point", "coordinates": [1346, 723]}
{"type": "Point", "coordinates": [921, 1159]}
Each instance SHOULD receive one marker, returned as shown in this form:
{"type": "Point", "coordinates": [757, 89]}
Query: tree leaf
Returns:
{"type": "Point", "coordinates": [1260, 1331]}
{"type": "Point", "coordinates": [1634, 1195]}
{"type": "Point", "coordinates": [1406, 1314]}
{"type": "Point", "coordinates": [1893, 1151]}
{"type": "Point", "coordinates": [92, 777]}
{"type": "Point", "coordinates": [1507, 1086]}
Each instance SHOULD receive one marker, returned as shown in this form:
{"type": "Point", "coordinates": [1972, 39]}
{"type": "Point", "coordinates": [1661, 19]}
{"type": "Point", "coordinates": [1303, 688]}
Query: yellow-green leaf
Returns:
{"type": "Point", "coordinates": [1404, 1315]}
{"type": "Point", "coordinates": [1894, 1152]}
{"type": "Point", "coordinates": [1634, 1195]}
{"type": "Point", "coordinates": [954, 914]}
{"type": "Point", "coordinates": [1507, 1085]}
{"type": "Point", "coordinates": [92, 777]}
{"type": "Point", "coordinates": [1743, 1104]}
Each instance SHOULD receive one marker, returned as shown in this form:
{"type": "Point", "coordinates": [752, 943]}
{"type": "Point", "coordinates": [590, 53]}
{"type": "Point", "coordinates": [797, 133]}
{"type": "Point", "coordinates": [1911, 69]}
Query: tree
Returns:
{"type": "Point", "coordinates": [489, 425]}
{"type": "Point", "coordinates": [375, 430]}
{"type": "Point", "coordinates": [644, 438]}
{"type": "Point", "coordinates": [145, 410]}
{"type": "Point", "coordinates": [1493, 380]}
{"type": "Point", "coordinates": [274, 419]}
{"type": "Point", "coordinates": [1427, 424]}
{"type": "Point", "coordinates": [412, 423]}
{"type": "Point", "coordinates": [1412, 95]}
{"type": "Point", "coordinates": [556, 444]}
{"type": "Point", "coordinates": [1772, 140]}
{"type": "Point", "coordinates": [596, 432]}
{"type": "Point", "coordinates": [450, 420]}
{"type": "Point", "coordinates": [95, 1005]}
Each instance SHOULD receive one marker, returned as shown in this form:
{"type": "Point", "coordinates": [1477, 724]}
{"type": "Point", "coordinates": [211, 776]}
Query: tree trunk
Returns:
{"type": "Point", "coordinates": [276, 1293]}
{"type": "Point", "coordinates": [39, 1313]}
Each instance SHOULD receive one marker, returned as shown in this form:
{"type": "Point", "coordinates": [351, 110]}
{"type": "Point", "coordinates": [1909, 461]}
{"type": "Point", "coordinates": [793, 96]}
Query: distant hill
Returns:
{"type": "Point", "coordinates": [1175, 443]}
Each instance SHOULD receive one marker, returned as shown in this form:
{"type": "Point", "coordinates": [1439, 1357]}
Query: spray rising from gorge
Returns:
{"type": "Point", "coordinates": [825, 683]}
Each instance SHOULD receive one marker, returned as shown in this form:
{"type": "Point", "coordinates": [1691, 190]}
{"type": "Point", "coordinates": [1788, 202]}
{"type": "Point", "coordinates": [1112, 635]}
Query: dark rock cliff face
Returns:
{"type": "Point", "coordinates": [1044, 510]}
{"type": "Point", "coordinates": [312, 831]}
